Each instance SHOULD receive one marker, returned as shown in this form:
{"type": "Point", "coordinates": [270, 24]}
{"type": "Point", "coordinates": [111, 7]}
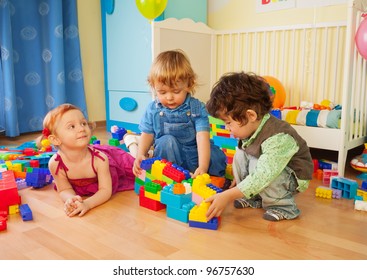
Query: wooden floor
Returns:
{"type": "Point", "coordinates": [121, 229]}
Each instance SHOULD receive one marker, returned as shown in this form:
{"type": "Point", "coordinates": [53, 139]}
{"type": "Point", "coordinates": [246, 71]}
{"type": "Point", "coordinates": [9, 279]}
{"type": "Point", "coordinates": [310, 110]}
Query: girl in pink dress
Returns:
{"type": "Point", "coordinates": [85, 175]}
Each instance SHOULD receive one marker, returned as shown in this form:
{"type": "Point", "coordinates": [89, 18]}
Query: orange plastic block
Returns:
{"type": "Point", "coordinates": [217, 181]}
{"type": "Point", "coordinates": [179, 189]}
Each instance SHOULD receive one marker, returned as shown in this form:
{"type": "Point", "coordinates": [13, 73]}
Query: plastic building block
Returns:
{"type": "Point", "coordinates": [179, 188]}
{"type": "Point", "coordinates": [318, 174]}
{"type": "Point", "coordinates": [205, 191]}
{"type": "Point", "coordinates": [138, 184]}
{"type": "Point", "coordinates": [324, 192]}
{"type": "Point", "coordinates": [180, 214]}
{"type": "Point", "coordinates": [149, 203]}
{"type": "Point", "coordinates": [154, 196]}
{"type": "Point", "coordinates": [198, 212]}
{"type": "Point", "coordinates": [13, 209]}
{"type": "Point", "coordinates": [25, 212]}
{"type": "Point", "coordinates": [173, 173]}
{"type": "Point", "coordinates": [360, 205]}
{"type": "Point", "coordinates": [337, 194]}
{"type": "Point", "coordinates": [212, 224]}
{"type": "Point", "coordinates": [157, 169]}
{"type": "Point", "coordinates": [3, 224]}
{"type": "Point", "coordinates": [8, 190]}
{"type": "Point", "coordinates": [364, 186]}
{"type": "Point", "coordinates": [174, 200]}
{"type": "Point", "coordinates": [327, 174]}
{"type": "Point", "coordinates": [4, 214]}
{"type": "Point", "coordinates": [113, 142]}
{"type": "Point", "coordinates": [327, 164]}
{"type": "Point", "coordinates": [38, 177]}
{"type": "Point", "coordinates": [347, 186]}
{"type": "Point", "coordinates": [146, 164]}
{"type": "Point", "coordinates": [217, 181]}
{"type": "Point", "coordinates": [118, 133]}
{"type": "Point", "coordinates": [152, 187]}
{"type": "Point", "coordinates": [362, 193]}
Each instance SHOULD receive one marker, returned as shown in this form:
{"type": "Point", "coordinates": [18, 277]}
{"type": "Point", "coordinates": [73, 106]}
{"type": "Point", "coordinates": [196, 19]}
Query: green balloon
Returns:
{"type": "Point", "coordinates": [151, 9]}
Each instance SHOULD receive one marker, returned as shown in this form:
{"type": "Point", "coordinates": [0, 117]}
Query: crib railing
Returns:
{"type": "Point", "coordinates": [314, 62]}
{"type": "Point", "coordinates": [354, 117]}
{"type": "Point", "coordinates": [307, 59]}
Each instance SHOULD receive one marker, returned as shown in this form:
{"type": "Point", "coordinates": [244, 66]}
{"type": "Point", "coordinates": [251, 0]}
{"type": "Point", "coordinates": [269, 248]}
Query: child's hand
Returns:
{"type": "Point", "coordinates": [218, 203]}
{"type": "Point", "coordinates": [136, 168]}
{"type": "Point", "coordinates": [76, 205]}
{"type": "Point", "coordinates": [233, 184]}
{"type": "Point", "coordinates": [70, 205]}
{"type": "Point", "coordinates": [199, 171]}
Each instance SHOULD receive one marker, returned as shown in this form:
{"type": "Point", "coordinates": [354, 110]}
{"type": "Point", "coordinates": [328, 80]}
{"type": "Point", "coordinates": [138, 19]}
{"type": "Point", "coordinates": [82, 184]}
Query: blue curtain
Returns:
{"type": "Point", "coordinates": [40, 62]}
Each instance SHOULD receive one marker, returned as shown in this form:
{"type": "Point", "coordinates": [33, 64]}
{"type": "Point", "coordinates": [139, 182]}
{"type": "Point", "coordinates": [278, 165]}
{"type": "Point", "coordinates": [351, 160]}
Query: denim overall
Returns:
{"type": "Point", "coordinates": [177, 140]}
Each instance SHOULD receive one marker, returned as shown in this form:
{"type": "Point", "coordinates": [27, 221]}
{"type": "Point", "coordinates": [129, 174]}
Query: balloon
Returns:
{"type": "Point", "coordinates": [361, 38]}
{"type": "Point", "coordinates": [151, 8]}
{"type": "Point", "coordinates": [278, 91]}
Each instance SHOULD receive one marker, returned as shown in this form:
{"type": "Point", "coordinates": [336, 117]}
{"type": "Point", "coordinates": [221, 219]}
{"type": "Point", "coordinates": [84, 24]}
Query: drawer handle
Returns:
{"type": "Point", "coordinates": [128, 104]}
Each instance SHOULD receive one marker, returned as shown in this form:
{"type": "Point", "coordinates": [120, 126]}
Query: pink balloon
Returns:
{"type": "Point", "coordinates": [361, 38]}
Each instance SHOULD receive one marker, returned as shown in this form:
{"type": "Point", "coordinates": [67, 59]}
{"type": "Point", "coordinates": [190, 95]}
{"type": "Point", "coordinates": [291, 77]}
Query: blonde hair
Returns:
{"type": "Point", "coordinates": [170, 67]}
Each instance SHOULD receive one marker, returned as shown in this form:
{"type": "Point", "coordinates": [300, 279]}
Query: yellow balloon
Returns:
{"type": "Point", "coordinates": [151, 8]}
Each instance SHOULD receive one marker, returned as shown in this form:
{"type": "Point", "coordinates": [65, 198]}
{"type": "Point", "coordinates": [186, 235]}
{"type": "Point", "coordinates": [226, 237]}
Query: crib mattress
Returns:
{"type": "Point", "coordinates": [310, 117]}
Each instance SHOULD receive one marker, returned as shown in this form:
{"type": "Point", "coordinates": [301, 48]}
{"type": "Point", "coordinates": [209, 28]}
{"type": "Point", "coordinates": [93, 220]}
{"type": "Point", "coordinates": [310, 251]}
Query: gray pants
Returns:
{"type": "Point", "coordinates": [278, 195]}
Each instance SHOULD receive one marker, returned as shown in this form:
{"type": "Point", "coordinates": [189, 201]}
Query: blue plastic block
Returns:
{"type": "Point", "coordinates": [347, 186]}
{"type": "Point", "coordinates": [276, 113]}
{"type": "Point", "coordinates": [364, 185]}
{"type": "Point", "coordinates": [174, 200]}
{"type": "Point", "coordinates": [25, 212]}
{"type": "Point", "coordinates": [180, 214]}
{"type": "Point", "coordinates": [146, 164]}
{"type": "Point", "coordinates": [212, 224]}
{"type": "Point", "coordinates": [221, 141]}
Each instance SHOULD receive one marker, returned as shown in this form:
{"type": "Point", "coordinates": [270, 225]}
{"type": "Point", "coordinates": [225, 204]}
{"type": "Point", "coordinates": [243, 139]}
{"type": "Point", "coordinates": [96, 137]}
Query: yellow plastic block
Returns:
{"type": "Point", "coordinates": [198, 212]}
{"type": "Point", "coordinates": [13, 209]}
{"type": "Point", "coordinates": [154, 196]}
{"type": "Point", "coordinates": [324, 192]}
{"type": "Point", "coordinates": [203, 191]}
{"type": "Point", "coordinates": [362, 193]}
{"type": "Point", "coordinates": [157, 169]}
{"type": "Point", "coordinates": [201, 180]}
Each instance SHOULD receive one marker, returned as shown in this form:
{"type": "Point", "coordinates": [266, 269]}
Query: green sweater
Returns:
{"type": "Point", "coordinates": [276, 145]}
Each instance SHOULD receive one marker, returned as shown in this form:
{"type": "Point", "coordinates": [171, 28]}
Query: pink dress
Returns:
{"type": "Point", "coordinates": [121, 165]}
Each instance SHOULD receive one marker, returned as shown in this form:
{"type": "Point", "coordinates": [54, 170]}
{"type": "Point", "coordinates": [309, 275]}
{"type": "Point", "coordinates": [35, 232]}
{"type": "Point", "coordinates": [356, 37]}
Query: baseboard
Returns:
{"type": "Point", "coordinates": [100, 123]}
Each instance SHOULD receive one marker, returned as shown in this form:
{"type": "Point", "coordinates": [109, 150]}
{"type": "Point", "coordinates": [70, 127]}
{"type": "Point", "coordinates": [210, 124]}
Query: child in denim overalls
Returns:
{"type": "Point", "coordinates": [175, 123]}
{"type": "Point", "coordinates": [272, 162]}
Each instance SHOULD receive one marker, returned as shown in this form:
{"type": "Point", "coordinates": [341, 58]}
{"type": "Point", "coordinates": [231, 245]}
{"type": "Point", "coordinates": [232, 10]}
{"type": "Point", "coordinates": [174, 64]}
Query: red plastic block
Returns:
{"type": "Point", "coordinates": [149, 203]}
{"type": "Point", "coordinates": [2, 224]}
{"type": "Point", "coordinates": [173, 173]}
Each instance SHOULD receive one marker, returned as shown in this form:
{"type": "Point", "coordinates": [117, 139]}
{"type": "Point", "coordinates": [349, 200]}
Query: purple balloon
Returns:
{"type": "Point", "coordinates": [361, 38]}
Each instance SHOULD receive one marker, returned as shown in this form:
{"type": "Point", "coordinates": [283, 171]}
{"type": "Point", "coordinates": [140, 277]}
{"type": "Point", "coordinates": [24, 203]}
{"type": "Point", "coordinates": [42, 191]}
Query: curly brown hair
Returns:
{"type": "Point", "coordinates": [237, 92]}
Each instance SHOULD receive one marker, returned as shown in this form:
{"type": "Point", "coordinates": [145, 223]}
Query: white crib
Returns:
{"type": "Point", "coordinates": [313, 62]}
